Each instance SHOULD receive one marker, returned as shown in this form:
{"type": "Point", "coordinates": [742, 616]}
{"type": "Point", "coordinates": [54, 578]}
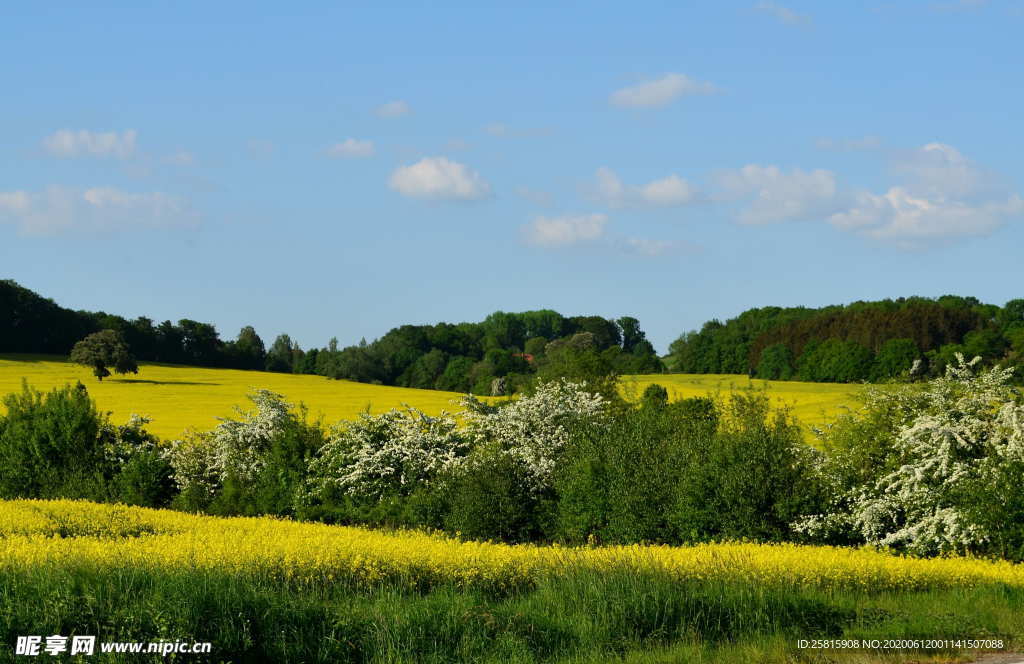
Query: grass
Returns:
{"type": "Point", "coordinates": [75, 568]}
{"type": "Point", "coordinates": [178, 397]}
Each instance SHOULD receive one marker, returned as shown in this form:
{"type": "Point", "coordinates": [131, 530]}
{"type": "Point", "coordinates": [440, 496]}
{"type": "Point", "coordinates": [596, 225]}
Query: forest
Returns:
{"type": "Point", "coordinates": [497, 356]}
{"type": "Point", "coordinates": [861, 341]}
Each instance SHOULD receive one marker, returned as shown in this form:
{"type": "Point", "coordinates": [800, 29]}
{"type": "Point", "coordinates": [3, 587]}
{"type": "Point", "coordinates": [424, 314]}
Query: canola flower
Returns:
{"type": "Point", "coordinates": [68, 534]}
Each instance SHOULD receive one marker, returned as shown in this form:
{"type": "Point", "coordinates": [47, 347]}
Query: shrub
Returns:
{"type": "Point", "coordinates": [141, 471]}
{"type": "Point", "coordinates": [391, 454]}
{"type": "Point", "coordinates": [534, 428]}
{"type": "Point", "coordinates": [50, 445]}
{"type": "Point", "coordinates": [58, 445]}
{"type": "Point", "coordinates": [618, 482]}
{"type": "Point", "coordinates": [752, 479]}
{"type": "Point", "coordinates": [945, 469]}
{"type": "Point", "coordinates": [256, 464]}
{"type": "Point", "coordinates": [654, 396]}
{"type": "Point", "coordinates": [492, 496]}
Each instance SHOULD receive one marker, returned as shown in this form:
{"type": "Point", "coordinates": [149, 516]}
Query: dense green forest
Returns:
{"type": "Point", "coordinates": [498, 355]}
{"type": "Point", "coordinates": [854, 342]}
{"type": "Point", "coordinates": [839, 343]}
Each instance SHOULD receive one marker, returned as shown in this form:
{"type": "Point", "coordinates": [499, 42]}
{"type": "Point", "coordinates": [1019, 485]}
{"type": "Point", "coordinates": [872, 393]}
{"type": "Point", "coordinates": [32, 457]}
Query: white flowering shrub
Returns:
{"type": "Point", "coordinates": [236, 447]}
{"type": "Point", "coordinates": [140, 470]}
{"type": "Point", "coordinates": [949, 440]}
{"type": "Point", "coordinates": [534, 428]}
{"type": "Point", "coordinates": [388, 454]}
{"type": "Point", "coordinates": [122, 443]}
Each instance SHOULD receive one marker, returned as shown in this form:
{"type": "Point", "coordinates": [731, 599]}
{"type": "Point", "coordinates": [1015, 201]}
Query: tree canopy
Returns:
{"type": "Point", "coordinates": [103, 351]}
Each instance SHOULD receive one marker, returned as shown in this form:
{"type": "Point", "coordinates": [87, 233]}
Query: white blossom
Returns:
{"type": "Point", "coordinates": [534, 428]}
{"type": "Point", "coordinates": [393, 452]}
{"type": "Point", "coordinates": [948, 436]}
{"type": "Point", "coordinates": [235, 447]}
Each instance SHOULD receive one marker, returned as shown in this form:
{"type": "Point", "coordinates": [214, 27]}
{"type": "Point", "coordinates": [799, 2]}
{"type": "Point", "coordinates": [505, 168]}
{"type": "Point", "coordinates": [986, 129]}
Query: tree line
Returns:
{"type": "Point", "coordinates": [499, 355]}
{"type": "Point", "coordinates": [876, 340]}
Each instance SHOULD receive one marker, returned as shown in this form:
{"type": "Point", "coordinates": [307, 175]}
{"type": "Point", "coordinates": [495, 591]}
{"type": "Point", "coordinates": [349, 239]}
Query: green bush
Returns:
{"type": "Point", "coordinates": [58, 445]}
{"type": "Point", "coordinates": [619, 482]}
{"type": "Point", "coordinates": [752, 481]}
{"type": "Point", "coordinates": [655, 396]}
{"type": "Point", "coordinates": [493, 497]}
{"type": "Point", "coordinates": [50, 445]}
{"type": "Point", "coordinates": [279, 485]}
{"type": "Point", "coordinates": [140, 472]}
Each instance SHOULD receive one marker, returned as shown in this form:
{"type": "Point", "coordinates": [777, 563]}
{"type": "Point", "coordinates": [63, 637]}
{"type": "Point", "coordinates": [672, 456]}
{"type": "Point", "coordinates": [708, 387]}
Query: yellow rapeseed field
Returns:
{"type": "Point", "coordinates": [178, 397]}
{"type": "Point", "coordinates": [70, 534]}
{"type": "Point", "coordinates": [814, 404]}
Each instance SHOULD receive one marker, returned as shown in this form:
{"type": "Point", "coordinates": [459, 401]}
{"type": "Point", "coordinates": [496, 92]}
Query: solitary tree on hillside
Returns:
{"type": "Point", "coordinates": [102, 351]}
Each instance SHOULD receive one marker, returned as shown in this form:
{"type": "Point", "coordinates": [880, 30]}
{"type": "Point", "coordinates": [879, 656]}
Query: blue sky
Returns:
{"type": "Point", "coordinates": [339, 170]}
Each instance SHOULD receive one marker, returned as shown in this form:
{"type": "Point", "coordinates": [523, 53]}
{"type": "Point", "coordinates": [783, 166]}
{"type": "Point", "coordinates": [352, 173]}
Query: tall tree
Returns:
{"type": "Point", "coordinates": [279, 357]}
{"type": "Point", "coordinates": [250, 353]}
{"type": "Point", "coordinates": [103, 351]}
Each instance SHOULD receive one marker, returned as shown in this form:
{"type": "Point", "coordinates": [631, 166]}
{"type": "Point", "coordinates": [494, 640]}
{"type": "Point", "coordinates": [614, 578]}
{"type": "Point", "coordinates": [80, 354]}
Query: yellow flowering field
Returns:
{"type": "Point", "coordinates": [178, 397]}
{"type": "Point", "coordinates": [71, 534]}
{"type": "Point", "coordinates": [814, 404]}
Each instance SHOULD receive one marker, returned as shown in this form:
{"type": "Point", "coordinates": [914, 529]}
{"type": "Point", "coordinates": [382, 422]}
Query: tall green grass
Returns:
{"type": "Point", "coordinates": [580, 617]}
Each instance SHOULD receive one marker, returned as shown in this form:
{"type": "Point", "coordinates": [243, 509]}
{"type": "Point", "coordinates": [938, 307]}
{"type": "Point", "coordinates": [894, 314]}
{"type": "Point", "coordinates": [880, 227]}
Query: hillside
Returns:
{"type": "Point", "coordinates": [177, 397]}
{"type": "Point", "coordinates": [459, 357]}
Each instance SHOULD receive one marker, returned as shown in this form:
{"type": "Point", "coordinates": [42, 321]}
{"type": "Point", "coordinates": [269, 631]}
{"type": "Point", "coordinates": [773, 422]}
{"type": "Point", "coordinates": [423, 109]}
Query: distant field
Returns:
{"type": "Point", "coordinates": [177, 397]}
{"type": "Point", "coordinates": [814, 404]}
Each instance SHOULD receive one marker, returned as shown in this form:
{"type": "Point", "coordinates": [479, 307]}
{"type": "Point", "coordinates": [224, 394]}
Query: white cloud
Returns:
{"type": "Point", "coordinates": [565, 231]}
{"type": "Point", "coordinates": [59, 209]}
{"type": "Point", "coordinates": [783, 14]}
{"type": "Point", "coordinates": [648, 247]}
{"type": "Point", "coordinates": [776, 196]}
{"type": "Point", "coordinates": [937, 169]}
{"type": "Point", "coordinates": [181, 158]}
{"type": "Point", "coordinates": [393, 109]}
{"type": "Point", "coordinates": [351, 147]}
{"type": "Point", "coordinates": [849, 144]}
{"type": "Point", "coordinates": [497, 129]}
{"type": "Point", "coordinates": [899, 216]}
{"type": "Point", "coordinates": [942, 195]}
{"type": "Point", "coordinates": [439, 178]}
{"type": "Point", "coordinates": [660, 92]}
{"type": "Point", "coordinates": [666, 192]}
{"type": "Point", "coordinates": [68, 143]}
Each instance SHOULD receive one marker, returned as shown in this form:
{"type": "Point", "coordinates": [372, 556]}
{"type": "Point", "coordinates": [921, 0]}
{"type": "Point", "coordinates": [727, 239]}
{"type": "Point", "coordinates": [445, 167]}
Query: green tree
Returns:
{"type": "Point", "coordinates": [249, 349]}
{"type": "Point", "coordinates": [279, 357]}
{"type": "Point", "coordinates": [103, 351]}
{"type": "Point", "coordinates": [895, 357]}
{"type": "Point", "coordinates": [425, 371]}
{"type": "Point", "coordinates": [200, 343]}
{"type": "Point", "coordinates": [455, 377]}
{"type": "Point", "coordinates": [655, 396]}
{"type": "Point", "coordinates": [535, 347]}
{"type": "Point", "coordinates": [776, 363]}
{"type": "Point", "coordinates": [631, 333]}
